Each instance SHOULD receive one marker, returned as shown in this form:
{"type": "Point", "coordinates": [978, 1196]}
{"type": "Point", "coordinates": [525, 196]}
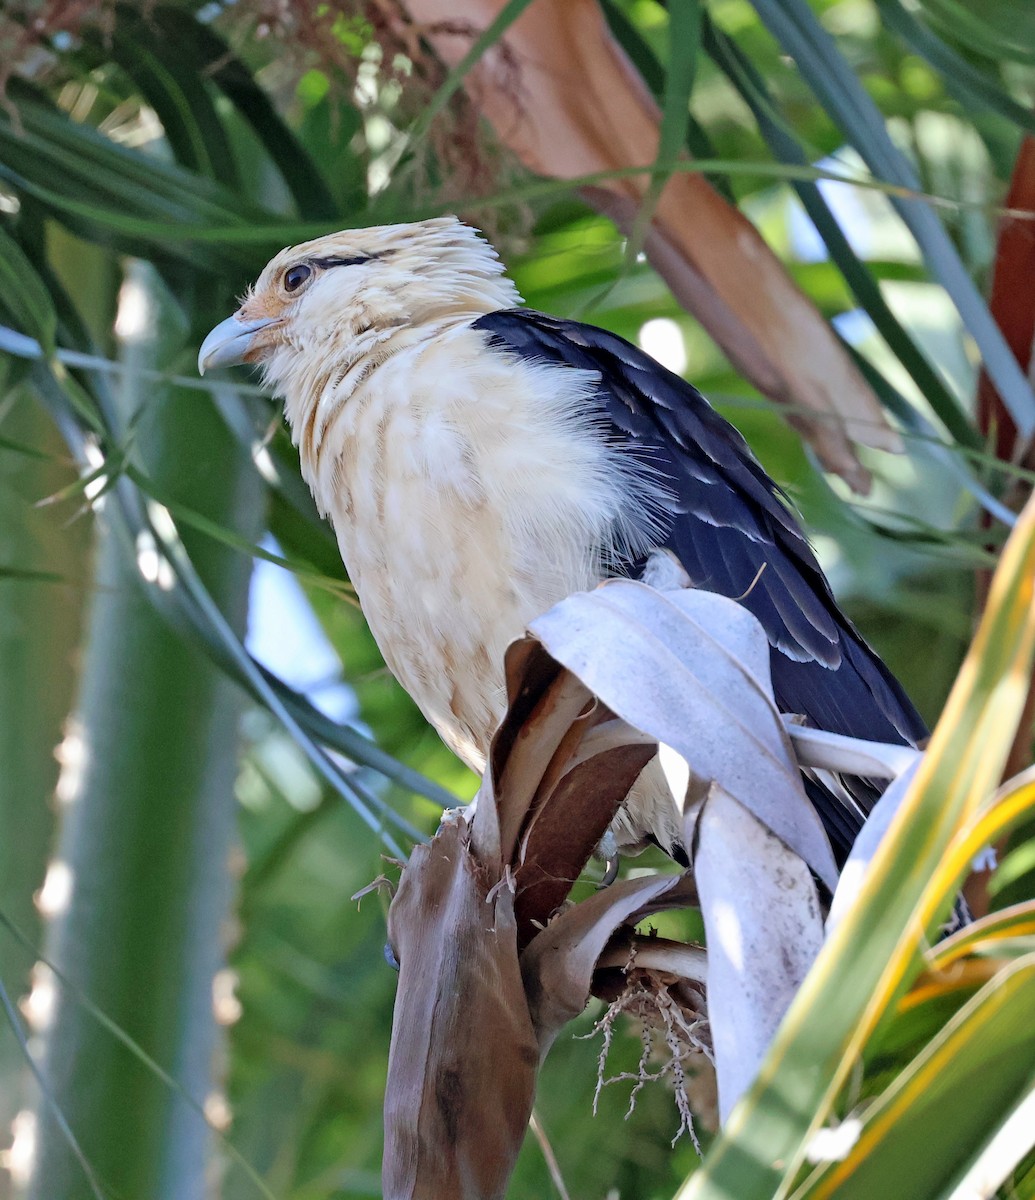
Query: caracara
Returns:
{"type": "Point", "coordinates": [480, 461]}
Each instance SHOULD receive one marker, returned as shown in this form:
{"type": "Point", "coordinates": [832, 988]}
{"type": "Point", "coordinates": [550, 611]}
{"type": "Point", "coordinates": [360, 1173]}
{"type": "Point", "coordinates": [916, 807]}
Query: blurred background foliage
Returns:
{"type": "Point", "coordinates": [152, 157]}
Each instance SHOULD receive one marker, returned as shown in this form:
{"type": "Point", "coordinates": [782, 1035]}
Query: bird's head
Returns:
{"type": "Point", "coordinates": [341, 296]}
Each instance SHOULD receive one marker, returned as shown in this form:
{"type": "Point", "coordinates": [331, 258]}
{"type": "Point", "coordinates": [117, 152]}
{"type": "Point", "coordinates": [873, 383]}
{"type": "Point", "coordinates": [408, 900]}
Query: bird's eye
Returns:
{"type": "Point", "coordinates": [295, 276]}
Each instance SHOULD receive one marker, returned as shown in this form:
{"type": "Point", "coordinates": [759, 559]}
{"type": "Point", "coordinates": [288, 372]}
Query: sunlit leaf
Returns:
{"type": "Point", "coordinates": [766, 1138]}
{"type": "Point", "coordinates": [952, 1099]}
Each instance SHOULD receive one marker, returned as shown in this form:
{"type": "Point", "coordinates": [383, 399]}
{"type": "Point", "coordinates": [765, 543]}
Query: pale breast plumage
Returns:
{"type": "Point", "coordinates": [439, 475]}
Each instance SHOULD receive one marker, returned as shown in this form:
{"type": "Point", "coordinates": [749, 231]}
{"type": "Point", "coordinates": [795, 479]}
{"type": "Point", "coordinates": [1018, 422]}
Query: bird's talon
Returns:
{"type": "Point", "coordinates": [611, 867]}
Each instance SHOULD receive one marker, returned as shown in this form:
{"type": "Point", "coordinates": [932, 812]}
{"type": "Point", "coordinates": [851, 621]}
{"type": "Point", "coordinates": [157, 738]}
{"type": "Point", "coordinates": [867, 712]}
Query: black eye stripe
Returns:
{"type": "Point", "coordinates": [341, 262]}
{"type": "Point", "coordinates": [295, 276]}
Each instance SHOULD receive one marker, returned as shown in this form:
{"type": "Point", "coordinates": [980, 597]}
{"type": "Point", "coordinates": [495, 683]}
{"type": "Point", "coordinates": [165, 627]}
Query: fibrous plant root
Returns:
{"type": "Point", "coordinates": [668, 1016]}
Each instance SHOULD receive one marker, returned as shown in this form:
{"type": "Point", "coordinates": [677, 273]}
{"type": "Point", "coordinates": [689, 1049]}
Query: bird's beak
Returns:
{"type": "Point", "coordinates": [230, 342]}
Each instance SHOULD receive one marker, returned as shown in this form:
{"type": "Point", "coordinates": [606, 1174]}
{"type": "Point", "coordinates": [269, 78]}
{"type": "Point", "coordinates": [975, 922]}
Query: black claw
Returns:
{"type": "Point", "coordinates": [610, 871]}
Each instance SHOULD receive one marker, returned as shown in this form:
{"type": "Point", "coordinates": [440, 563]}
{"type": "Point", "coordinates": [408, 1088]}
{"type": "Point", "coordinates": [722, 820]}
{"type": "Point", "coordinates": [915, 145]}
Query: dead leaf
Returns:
{"type": "Point", "coordinates": [691, 668]}
{"type": "Point", "coordinates": [763, 927]}
{"type": "Point", "coordinates": [555, 781]}
{"type": "Point", "coordinates": [1012, 304]}
{"type": "Point", "coordinates": [569, 829]}
{"type": "Point", "coordinates": [455, 1113]}
{"type": "Point", "coordinates": [558, 965]}
{"type": "Point", "coordinates": [1012, 301]}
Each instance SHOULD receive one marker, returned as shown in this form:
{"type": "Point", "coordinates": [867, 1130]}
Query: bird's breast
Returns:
{"type": "Point", "coordinates": [469, 493]}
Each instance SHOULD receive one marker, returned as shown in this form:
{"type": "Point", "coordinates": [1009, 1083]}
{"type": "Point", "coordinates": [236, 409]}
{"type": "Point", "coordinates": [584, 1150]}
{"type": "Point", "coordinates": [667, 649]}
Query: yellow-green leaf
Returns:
{"type": "Point", "coordinates": [876, 950]}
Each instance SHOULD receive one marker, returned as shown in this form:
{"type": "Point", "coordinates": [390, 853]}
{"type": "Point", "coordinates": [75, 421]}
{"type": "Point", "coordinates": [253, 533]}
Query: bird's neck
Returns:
{"type": "Point", "coordinates": [319, 378]}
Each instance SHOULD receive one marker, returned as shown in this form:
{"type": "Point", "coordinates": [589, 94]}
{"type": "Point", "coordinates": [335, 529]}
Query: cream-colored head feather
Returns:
{"type": "Point", "coordinates": [349, 285]}
{"type": "Point", "coordinates": [356, 296]}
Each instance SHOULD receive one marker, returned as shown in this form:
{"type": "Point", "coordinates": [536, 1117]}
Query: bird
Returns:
{"type": "Point", "coordinates": [480, 461]}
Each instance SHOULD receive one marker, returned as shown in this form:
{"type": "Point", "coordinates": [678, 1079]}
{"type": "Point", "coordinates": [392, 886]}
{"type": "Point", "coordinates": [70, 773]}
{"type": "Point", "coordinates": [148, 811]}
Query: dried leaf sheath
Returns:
{"type": "Point", "coordinates": [472, 1021]}
{"type": "Point", "coordinates": [463, 1057]}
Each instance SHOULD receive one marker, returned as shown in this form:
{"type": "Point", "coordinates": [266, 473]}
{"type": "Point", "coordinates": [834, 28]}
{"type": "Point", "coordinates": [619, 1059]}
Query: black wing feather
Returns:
{"type": "Point", "coordinates": [734, 533]}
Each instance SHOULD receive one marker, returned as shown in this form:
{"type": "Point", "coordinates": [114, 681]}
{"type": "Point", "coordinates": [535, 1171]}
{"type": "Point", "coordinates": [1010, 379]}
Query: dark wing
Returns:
{"type": "Point", "coordinates": [734, 534]}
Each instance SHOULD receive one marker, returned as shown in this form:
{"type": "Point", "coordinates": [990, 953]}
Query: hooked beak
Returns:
{"type": "Point", "coordinates": [230, 342]}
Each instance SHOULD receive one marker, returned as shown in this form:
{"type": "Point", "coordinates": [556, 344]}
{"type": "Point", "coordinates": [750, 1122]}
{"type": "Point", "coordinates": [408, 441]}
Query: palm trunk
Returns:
{"type": "Point", "coordinates": [39, 629]}
{"type": "Point", "coordinates": [147, 840]}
